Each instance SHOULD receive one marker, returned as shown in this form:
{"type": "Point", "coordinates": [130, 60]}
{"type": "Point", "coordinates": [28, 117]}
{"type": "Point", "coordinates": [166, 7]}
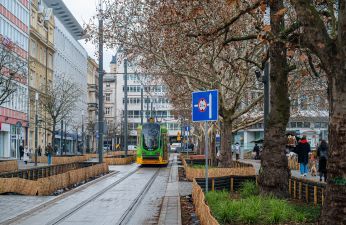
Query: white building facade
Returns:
{"type": "Point", "coordinates": [155, 102]}
{"type": "Point", "coordinates": [71, 59]}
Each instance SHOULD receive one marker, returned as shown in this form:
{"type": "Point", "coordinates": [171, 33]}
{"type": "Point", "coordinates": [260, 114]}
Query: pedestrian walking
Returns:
{"type": "Point", "coordinates": [237, 150]}
{"type": "Point", "coordinates": [256, 149]}
{"type": "Point", "coordinates": [322, 153]}
{"type": "Point", "coordinates": [49, 150]}
{"type": "Point", "coordinates": [303, 149]}
{"type": "Point", "coordinates": [39, 153]}
{"type": "Point", "coordinates": [26, 154]}
{"type": "Point", "coordinates": [21, 152]}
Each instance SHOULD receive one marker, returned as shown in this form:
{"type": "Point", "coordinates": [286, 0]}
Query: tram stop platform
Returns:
{"type": "Point", "coordinates": [171, 212]}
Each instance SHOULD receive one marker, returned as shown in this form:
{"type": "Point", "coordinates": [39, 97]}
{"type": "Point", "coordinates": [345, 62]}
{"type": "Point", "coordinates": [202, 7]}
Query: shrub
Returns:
{"type": "Point", "coordinates": [248, 189]}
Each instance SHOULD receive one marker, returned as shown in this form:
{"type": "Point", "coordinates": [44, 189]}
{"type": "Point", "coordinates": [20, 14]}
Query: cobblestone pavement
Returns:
{"type": "Point", "coordinates": [13, 205]}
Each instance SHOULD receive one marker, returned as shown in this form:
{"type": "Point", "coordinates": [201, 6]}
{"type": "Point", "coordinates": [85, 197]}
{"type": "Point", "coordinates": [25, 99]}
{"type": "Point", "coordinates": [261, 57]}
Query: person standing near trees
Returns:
{"type": "Point", "coordinates": [49, 150]}
{"type": "Point", "coordinates": [322, 153]}
{"type": "Point", "coordinates": [256, 149]}
{"type": "Point", "coordinates": [237, 151]}
{"type": "Point", "coordinates": [26, 154]}
{"type": "Point", "coordinates": [303, 149]}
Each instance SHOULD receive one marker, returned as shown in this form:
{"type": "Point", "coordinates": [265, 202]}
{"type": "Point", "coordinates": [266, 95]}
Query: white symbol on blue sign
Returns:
{"type": "Point", "coordinates": [205, 106]}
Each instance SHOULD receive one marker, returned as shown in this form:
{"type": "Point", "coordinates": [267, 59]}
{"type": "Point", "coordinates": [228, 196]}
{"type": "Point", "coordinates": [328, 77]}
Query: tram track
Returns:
{"type": "Point", "coordinates": [132, 208]}
{"type": "Point", "coordinates": [71, 213]}
{"type": "Point", "coordinates": [78, 207]}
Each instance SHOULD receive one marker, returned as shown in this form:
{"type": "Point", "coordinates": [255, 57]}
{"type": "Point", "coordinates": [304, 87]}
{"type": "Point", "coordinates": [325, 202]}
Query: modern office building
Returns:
{"type": "Point", "coordinates": [70, 61]}
{"type": "Point", "coordinates": [155, 102]}
{"type": "Point", "coordinates": [14, 32]}
{"type": "Point", "coordinates": [40, 68]}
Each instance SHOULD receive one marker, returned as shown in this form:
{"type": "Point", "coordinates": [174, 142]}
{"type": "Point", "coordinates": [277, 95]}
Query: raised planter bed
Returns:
{"type": "Point", "coordinates": [64, 159]}
{"type": "Point", "coordinates": [8, 166]}
{"type": "Point", "coordinates": [47, 180]}
{"type": "Point", "coordinates": [119, 160]}
{"type": "Point", "coordinates": [247, 206]}
{"type": "Point", "coordinates": [112, 153]}
{"type": "Point", "coordinates": [238, 168]}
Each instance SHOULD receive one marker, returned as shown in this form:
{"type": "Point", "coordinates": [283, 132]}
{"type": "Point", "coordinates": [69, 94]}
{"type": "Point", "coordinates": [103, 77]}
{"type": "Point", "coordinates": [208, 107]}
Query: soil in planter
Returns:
{"type": "Point", "coordinates": [188, 214]}
{"type": "Point", "coordinates": [182, 175]}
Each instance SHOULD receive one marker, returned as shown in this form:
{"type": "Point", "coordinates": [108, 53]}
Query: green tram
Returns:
{"type": "Point", "coordinates": [152, 144]}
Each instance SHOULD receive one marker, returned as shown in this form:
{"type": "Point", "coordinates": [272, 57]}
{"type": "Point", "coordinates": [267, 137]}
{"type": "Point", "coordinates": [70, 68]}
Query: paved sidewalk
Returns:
{"type": "Point", "coordinates": [294, 173]}
{"type": "Point", "coordinates": [171, 212]}
{"type": "Point", "coordinates": [30, 165]}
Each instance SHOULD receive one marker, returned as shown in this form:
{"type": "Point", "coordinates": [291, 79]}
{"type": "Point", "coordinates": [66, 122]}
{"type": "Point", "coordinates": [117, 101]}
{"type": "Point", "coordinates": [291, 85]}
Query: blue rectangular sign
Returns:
{"type": "Point", "coordinates": [205, 106]}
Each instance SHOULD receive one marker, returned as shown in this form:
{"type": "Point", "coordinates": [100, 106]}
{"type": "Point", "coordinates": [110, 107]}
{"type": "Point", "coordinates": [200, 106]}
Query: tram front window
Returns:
{"type": "Point", "coordinates": [151, 135]}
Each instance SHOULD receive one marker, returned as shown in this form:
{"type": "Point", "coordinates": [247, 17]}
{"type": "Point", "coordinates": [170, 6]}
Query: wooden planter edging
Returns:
{"type": "Point", "coordinates": [300, 189]}
{"type": "Point", "coordinates": [202, 209]}
{"type": "Point", "coordinates": [8, 166]}
{"type": "Point", "coordinates": [119, 161]}
{"type": "Point", "coordinates": [238, 169]}
{"type": "Point", "coordinates": [50, 184]}
{"type": "Point", "coordinates": [306, 190]}
{"type": "Point", "coordinates": [57, 160]}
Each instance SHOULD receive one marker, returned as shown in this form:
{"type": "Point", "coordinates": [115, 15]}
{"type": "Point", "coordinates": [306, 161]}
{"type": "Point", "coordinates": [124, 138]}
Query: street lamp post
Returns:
{"type": "Point", "coordinates": [36, 127]}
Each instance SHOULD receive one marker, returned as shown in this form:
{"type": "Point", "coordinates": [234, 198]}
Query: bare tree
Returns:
{"type": "Point", "coordinates": [60, 101]}
{"type": "Point", "coordinates": [12, 69]}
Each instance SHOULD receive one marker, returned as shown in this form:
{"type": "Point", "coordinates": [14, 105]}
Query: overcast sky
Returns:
{"type": "Point", "coordinates": [83, 10]}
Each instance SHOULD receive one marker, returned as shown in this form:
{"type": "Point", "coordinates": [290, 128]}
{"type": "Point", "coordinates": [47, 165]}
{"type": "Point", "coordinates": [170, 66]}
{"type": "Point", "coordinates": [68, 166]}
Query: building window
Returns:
{"type": "Point", "coordinates": [108, 84]}
{"type": "Point", "coordinates": [50, 61]}
{"type": "Point", "coordinates": [33, 48]}
{"type": "Point", "coordinates": [107, 110]}
{"type": "Point", "coordinates": [306, 125]}
{"type": "Point", "coordinates": [108, 97]}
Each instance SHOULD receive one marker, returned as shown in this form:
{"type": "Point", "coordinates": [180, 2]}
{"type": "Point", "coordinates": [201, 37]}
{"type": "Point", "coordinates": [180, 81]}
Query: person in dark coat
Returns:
{"type": "Point", "coordinates": [256, 149]}
{"type": "Point", "coordinates": [303, 149]}
{"type": "Point", "coordinates": [21, 152]}
{"type": "Point", "coordinates": [322, 153]}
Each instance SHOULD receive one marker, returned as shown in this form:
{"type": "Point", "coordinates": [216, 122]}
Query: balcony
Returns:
{"type": "Point", "coordinates": [92, 87]}
{"type": "Point", "coordinates": [92, 106]}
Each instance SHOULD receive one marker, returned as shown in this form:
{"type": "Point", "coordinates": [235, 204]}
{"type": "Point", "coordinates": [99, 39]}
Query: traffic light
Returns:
{"type": "Point", "coordinates": [178, 136]}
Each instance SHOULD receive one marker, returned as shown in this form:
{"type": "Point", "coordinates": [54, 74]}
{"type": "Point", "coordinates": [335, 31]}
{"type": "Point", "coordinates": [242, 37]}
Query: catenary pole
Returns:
{"type": "Point", "coordinates": [36, 128]}
{"type": "Point", "coordinates": [142, 105]}
{"type": "Point", "coordinates": [125, 111]}
{"type": "Point", "coordinates": [100, 119]}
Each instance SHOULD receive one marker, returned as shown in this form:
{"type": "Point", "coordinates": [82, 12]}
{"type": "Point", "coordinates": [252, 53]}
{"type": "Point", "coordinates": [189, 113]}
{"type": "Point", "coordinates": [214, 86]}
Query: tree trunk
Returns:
{"type": "Point", "coordinates": [274, 173]}
{"type": "Point", "coordinates": [226, 139]}
{"type": "Point", "coordinates": [333, 211]}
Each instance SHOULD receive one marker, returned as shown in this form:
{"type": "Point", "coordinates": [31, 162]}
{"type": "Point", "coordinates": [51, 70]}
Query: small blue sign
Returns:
{"type": "Point", "coordinates": [205, 106]}
{"type": "Point", "coordinates": [187, 128]}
